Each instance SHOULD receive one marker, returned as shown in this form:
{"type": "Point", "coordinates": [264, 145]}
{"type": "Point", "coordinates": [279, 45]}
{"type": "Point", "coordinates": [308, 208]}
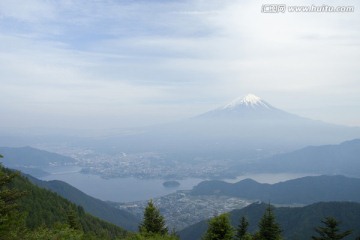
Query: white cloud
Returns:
{"type": "Point", "coordinates": [27, 11]}
{"type": "Point", "coordinates": [172, 60]}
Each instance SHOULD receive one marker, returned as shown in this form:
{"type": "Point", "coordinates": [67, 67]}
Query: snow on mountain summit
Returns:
{"type": "Point", "coordinates": [249, 100]}
{"type": "Point", "coordinates": [248, 107]}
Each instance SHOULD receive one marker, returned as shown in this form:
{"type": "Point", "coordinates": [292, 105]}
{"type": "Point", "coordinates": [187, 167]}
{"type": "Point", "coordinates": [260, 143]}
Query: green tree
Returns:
{"type": "Point", "coordinates": [58, 232]}
{"type": "Point", "coordinates": [219, 228]}
{"type": "Point", "coordinates": [12, 222]}
{"type": "Point", "coordinates": [241, 233]}
{"type": "Point", "coordinates": [330, 231]}
{"type": "Point", "coordinates": [73, 220]}
{"type": "Point", "coordinates": [151, 237]}
{"type": "Point", "coordinates": [268, 228]}
{"type": "Point", "coordinates": [153, 222]}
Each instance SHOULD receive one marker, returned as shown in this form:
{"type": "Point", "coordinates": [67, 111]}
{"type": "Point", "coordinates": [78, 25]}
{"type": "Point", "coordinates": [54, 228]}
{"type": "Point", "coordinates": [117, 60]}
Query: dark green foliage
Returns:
{"type": "Point", "coordinates": [330, 231]}
{"type": "Point", "coordinates": [12, 222]}
{"type": "Point", "coordinates": [57, 232]}
{"type": "Point", "coordinates": [219, 227]}
{"type": "Point", "coordinates": [268, 228]}
{"type": "Point", "coordinates": [91, 205]}
{"type": "Point", "coordinates": [242, 229]}
{"type": "Point", "coordinates": [43, 212]}
{"type": "Point", "coordinates": [151, 237]}
{"type": "Point", "coordinates": [8, 196]}
{"type": "Point", "coordinates": [73, 220]}
{"type": "Point", "coordinates": [295, 222]}
{"type": "Point", "coordinates": [153, 222]}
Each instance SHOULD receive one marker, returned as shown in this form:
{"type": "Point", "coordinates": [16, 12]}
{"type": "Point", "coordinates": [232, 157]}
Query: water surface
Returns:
{"type": "Point", "coordinates": [132, 189]}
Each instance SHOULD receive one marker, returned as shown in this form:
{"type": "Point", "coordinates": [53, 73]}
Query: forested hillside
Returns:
{"type": "Point", "coordinates": [33, 213]}
{"type": "Point", "coordinates": [296, 223]}
{"type": "Point", "coordinates": [91, 205]}
{"type": "Point", "coordinates": [27, 210]}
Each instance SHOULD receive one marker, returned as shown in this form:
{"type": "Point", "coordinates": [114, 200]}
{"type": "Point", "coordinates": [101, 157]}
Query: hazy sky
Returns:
{"type": "Point", "coordinates": [116, 64]}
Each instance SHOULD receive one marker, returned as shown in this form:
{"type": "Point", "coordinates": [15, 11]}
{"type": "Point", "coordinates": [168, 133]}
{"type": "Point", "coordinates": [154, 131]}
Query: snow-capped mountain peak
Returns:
{"type": "Point", "coordinates": [249, 100]}
{"type": "Point", "coordinates": [248, 107]}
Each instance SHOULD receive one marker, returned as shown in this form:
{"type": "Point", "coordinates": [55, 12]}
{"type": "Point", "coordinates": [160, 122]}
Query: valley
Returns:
{"type": "Point", "coordinates": [215, 171]}
{"type": "Point", "coordinates": [181, 209]}
{"type": "Point", "coordinates": [211, 198]}
{"type": "Point", "coordinates": [179, 120]}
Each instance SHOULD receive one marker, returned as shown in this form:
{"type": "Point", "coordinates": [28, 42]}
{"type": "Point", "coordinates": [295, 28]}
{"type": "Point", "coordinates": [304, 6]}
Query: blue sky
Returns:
{"type": "Point", "coordinates": [117, 64]}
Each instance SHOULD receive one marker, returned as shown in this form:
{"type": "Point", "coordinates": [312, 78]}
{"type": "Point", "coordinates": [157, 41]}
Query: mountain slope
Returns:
{"type": "Point", "coordinates": [243, 125]}
{"type": "Point", "coordinates": [304, 190]}
{"type": "Point", "coordinates": [28, 156]}
{"type": "Point", "coordinates": [343, 158]}
{"type": "Point", "coordinates": [31, 160]}
{"type": "Point", "coordinates": [91, 205]}
{"type": "Point", "coordinates": [44, 208]}
{"type": "Point", "coordinates": [296, 223]}
{"type": "Point", "coordinates": [250, 107]}
{"type": "Point", "coordinates": [244, 129]}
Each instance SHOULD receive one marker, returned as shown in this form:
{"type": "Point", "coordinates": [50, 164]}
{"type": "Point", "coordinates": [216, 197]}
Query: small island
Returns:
{"type": "Point", "coordinates": [171, 184]}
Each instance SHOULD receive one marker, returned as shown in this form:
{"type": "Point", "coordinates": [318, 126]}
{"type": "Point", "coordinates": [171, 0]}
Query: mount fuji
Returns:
{"type": "Point", "coordinates": [248, 124]}
{"type": "Point", "coordinates": [249, 102]}
{"type": "Point", "coordinates": [250, 107]}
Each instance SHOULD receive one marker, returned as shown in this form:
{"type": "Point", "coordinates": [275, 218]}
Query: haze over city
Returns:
{"type": "Point", "coordinates": [74, 66]}
{"type": "Point", "coordinates": [179, 119]}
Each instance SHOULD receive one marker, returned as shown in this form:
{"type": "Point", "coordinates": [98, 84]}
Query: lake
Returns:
{"type": "Point", "coordinates": [133, 189]}
{"type": "Point", "coordinates": [116, 189]}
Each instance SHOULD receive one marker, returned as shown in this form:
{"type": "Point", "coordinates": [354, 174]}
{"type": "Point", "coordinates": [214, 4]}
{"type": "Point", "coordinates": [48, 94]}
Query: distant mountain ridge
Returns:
{"type": "Point", "coordinates": [33, 161]}
{"type": "Point", "coordinates": [295, 222]}
{"type": "Point", "coordinates": [235, 135]}
{"type": "Point", "coordinates": [343, 158]}
{"type": "Point", "coordinates": [304, 190]}
{"type": "Point", "coordinates": [32, 157]}
{"type": "Point", "coordinates": [244, 125]}
{"type": "Point", "coordinates": [245, 128]}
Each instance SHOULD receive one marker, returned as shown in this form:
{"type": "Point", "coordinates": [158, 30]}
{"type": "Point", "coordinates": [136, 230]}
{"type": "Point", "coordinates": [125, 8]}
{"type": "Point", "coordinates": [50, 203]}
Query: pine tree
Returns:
{"type": "Point", "coordinates": [268, 228]}
{"type": "Point", "coordinates": [242, 233]}
{"type": "Point", "coordinates": [12, 223]}
{"type": "Point", "coordinates": [219, 228]}
{"type": "Point", "coordinates": [153, 222]}
{"type": "Point", "coordinates": [330, 231]}
{"type": "Point", "coordinates": [73, 220]}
